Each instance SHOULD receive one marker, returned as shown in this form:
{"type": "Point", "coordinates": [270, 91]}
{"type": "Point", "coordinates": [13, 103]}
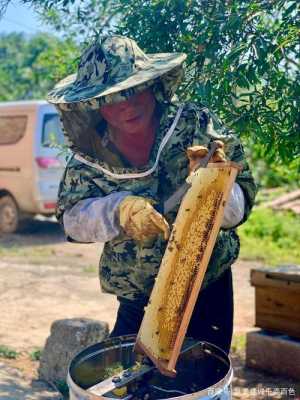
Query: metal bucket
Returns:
{"type": "Point", "coordinates": [204, 372]}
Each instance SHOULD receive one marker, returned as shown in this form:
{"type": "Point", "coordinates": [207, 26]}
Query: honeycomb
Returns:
{"type": "Point", "coordinates": [181, 279]}
{"type": "Point", "coordinates": [185, 261]}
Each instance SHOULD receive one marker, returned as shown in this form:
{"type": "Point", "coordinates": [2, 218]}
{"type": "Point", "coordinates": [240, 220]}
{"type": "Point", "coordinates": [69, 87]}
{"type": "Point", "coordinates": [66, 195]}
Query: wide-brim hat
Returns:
{"type": "Point", "coordinates": [114, 65]}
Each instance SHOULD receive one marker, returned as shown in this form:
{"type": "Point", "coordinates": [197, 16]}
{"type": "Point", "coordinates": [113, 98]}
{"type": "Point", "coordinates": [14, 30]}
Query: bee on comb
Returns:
{"type": "Point", "coordinates": [184, 265]}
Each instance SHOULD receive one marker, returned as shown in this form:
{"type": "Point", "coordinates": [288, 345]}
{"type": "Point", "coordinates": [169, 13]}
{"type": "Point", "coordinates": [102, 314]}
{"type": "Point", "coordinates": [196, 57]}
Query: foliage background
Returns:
{"type": "Point", "coordinates": [30, 65]}
{"type": "Point", "coordinates": [243, 62]}
{"type": "Point", "coordinates": [271, 237]}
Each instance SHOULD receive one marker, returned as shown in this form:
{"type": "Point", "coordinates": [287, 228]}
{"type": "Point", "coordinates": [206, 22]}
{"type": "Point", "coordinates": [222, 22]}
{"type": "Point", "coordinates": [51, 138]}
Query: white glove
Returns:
{"type": "Point", "coordinates": [235, 207]}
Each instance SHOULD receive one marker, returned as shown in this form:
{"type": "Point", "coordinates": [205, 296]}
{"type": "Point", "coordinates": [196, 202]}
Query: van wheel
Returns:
{"type": "Point", "coordinates": [9, 215]}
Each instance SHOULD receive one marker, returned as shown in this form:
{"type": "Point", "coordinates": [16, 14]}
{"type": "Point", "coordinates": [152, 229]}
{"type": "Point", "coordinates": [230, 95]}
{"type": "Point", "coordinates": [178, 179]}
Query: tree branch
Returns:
{"type": "Point", "coordinates": [3, 7]}
{"type": "Point", "coordinates": [290, 60]}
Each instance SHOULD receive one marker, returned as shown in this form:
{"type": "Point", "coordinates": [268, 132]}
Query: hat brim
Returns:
{"type": "Point", "coordinates": [159, 64]}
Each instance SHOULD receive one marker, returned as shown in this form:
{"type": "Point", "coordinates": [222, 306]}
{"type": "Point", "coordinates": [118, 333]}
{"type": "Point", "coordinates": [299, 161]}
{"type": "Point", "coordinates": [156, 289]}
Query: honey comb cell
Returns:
{"type": "Point", "coordinates": [184, 264]}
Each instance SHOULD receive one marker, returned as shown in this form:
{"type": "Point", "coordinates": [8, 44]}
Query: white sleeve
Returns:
{"type": "Point", "coordinates": [235, 208]}
{"type": "Point", "coordinates": [94, 219]}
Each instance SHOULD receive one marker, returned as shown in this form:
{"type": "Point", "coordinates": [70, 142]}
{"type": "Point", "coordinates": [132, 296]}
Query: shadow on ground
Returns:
{"type": "Point", "coordinates": [14, 386]}
{"type": "Point", "coordinates": [252, 384]}
{"type": "Point", "coordinates": [34, 232]}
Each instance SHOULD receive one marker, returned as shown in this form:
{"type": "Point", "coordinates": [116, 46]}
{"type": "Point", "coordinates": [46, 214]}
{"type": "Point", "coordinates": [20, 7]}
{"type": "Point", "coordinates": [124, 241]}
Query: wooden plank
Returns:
{"type": "Point", "coordinates": [289, 271]}
{"type": "Point", "coordinates": [261, 281]}
{"type": "Point", "coordinates": [277, 300]}
{"type": "Point", "coordinates": [283, 276]}
{"type": "Point", "coordinates": [184, 264]}
{"type": "Point", "coordinates": [278, 310]}
{"type": "Point", "coordinates": [278, 324]}
{"type": "Point", "coordinates": [161, 365]}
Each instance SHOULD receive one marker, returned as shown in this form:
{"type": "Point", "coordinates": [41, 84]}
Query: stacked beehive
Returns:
{"type": "Point", "coordinates": [276, 347]}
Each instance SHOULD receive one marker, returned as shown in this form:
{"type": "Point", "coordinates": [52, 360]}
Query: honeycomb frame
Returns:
{"type": "Point", "coordinates": [184, 264]}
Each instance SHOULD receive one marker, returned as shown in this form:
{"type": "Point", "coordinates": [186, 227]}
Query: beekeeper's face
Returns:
{"type": "Point", "coordinates": [132, 115]}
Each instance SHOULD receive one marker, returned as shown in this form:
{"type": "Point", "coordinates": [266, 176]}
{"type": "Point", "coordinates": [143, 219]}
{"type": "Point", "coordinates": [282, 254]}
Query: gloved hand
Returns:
{"type": "Point", "coordinates": [140, 220]}
{"type": "Point", "coordinates": [195, 153]}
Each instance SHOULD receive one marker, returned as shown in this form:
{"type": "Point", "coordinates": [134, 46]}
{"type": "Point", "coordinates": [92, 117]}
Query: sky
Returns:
{"type": "Point", "coordinates": [21, 18]}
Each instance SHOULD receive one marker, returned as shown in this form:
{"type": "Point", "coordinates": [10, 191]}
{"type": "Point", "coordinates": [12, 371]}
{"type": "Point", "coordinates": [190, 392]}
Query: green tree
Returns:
{"type": "Point", "coordinates": [243, 61]}
{"type": "Point", "coordinates": [30, 66]}
{"type": "Point", "coordinates": [76, 19]}
{"type": "Point", "coordinates": [243, 58]}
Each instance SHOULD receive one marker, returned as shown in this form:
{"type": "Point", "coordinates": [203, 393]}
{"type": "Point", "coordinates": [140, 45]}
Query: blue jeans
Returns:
{"type": "Point", "coordinates": [212, 318]}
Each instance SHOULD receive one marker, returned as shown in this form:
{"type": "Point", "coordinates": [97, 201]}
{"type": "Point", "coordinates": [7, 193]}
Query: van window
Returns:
{"type": "Point", "coordinates": [52, 132]}
{"type": "Point", "coordinates": [12, 128]}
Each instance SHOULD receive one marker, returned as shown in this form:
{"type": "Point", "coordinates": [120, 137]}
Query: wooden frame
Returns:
{"type": "Point", "coordinates": [184, 264]}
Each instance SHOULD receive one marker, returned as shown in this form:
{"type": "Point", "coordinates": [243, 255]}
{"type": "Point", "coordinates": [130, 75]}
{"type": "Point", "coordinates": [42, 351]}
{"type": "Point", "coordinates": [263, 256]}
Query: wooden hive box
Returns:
{"type": "Point", "coordinates": [277, 299]}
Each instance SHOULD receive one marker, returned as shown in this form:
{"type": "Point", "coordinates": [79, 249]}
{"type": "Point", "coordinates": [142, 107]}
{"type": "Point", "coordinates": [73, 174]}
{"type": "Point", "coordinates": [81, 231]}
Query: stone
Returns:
{"type": "Point", "coordinates": [274, 353]}
{"type": "Point", "coordinates": [67, 338]}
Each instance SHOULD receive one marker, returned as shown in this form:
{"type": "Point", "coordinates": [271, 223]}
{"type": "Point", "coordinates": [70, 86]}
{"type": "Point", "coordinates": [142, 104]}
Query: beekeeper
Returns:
{"type": "Point", "coordinates": [129, 141]}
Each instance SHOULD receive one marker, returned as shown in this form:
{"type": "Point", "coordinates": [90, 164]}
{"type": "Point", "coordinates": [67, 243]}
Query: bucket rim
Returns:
{"type": "Point", "coordinates": [214, 390]}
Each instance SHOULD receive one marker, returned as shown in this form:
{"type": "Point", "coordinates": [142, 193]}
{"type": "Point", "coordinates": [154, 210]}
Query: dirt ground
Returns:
{"type": "Point", "coordinates": [43, 278]}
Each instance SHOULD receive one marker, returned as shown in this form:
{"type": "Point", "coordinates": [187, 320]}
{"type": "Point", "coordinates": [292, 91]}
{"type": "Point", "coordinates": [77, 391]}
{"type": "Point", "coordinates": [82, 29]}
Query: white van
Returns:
{"type": "Point", "coordinates": [30, 167]}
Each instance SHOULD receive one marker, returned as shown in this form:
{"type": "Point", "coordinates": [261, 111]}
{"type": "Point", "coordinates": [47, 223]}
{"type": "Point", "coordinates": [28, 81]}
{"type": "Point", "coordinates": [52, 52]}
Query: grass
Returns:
{"type": "Point", "coordinates": [90, 269]}
{"type": "Point", "coordinates": [7, 352]}
{"type": "Point", "coordinates": [238, 344]}
{"type": "Point", "coordinates": [35, 355]}
{"type": "Point", "coordinates": [35, 255]}
{"type": "Point", "coordinates": [41, 254]}
{"type": "Point", "coordinates": [32, 252]}
{"type": "Point", "coordinates": [271, 237]}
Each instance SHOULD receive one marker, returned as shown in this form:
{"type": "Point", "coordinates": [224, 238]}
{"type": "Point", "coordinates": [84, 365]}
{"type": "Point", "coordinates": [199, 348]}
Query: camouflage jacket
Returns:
{"type": "Point", "coordinates": [128, 268]}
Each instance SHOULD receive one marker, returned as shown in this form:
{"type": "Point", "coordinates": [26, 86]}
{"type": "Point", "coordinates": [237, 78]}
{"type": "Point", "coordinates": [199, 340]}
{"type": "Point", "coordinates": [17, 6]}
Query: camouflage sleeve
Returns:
{"type": "Point", "coordinates": [210, 128]}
